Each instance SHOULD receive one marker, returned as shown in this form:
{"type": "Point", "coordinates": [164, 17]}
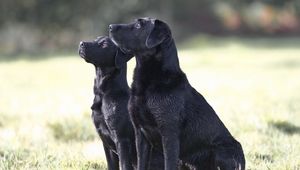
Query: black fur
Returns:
{"type": "Point", "coordinates": [167, 112]}
{"type": "Point", "coordinates": [110, 114]}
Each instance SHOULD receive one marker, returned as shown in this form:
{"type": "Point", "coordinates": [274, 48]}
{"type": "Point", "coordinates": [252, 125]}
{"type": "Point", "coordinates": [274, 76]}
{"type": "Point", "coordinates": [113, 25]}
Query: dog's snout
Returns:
{"type": "Point", "coordinates": [112, 27]}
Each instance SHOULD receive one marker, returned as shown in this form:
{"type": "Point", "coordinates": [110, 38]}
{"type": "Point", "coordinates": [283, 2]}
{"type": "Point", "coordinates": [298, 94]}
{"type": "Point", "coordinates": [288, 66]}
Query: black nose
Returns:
{"type": "Point", "coordinates": [81, 44]}
{"type": "Point", "coordinates": [112, 27]}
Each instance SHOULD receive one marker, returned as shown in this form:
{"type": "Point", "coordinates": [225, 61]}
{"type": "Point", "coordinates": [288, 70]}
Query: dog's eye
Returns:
{"type": "Point", "coordinates": [103, 44]}
{"type": "Point", "coordinates": [137, 25]}
{"type": "Point", "coordinates": [99, 42]}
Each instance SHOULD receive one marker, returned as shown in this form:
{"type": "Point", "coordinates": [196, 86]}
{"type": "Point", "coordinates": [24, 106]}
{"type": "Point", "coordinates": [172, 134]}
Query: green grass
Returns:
{"type": "Point", "coordinates": [45, 117]}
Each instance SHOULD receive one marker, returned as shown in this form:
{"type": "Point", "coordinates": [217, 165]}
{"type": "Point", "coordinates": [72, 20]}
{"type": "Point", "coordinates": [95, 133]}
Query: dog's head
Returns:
{"type": "Point", "coordinates": [102, 52]}
{"type": "Point", "coordinates": [140, 35]}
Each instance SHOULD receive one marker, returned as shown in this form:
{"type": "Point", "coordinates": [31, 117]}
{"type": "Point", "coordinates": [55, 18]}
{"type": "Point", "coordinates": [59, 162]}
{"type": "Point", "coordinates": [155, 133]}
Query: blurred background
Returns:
{"type": "Point", "coordinates": [243, 56]}
{"type": "Point", "coordinates": [51, 25]}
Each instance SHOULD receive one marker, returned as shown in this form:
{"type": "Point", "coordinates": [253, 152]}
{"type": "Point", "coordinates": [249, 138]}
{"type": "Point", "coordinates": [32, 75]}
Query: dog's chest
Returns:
{"type": "Point", "coordinates": [109, 110]}
{"type": "Point", "coordinates": [108, 106]}
{"type": "Point", "coordinates": [140, 111]}
{"type": "Point", "coordinates": [102, 129]}
{"type": "Point", "coordinates": [144, 119]}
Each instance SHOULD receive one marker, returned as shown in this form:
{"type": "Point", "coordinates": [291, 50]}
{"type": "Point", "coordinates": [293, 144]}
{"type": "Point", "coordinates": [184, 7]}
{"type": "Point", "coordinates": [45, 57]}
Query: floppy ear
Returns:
{"type": "Point", "coordinates": [158, 34]}
{"type": "Point", "coordinates": [121, 58]}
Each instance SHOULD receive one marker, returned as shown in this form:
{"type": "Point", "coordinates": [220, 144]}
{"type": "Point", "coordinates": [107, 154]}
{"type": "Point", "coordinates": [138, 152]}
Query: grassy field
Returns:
{"type": "Point", "coordinates": [254, 87]}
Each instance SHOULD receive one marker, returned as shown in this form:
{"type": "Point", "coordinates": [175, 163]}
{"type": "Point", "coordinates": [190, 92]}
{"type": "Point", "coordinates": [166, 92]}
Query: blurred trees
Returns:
{"type": "Point", "coordinates": [52, 25]}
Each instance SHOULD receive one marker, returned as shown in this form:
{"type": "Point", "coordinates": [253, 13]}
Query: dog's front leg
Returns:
{"type": "Point", "coordinates": [124, 152]}
{"type": "Point", "coordinates": [143, 149]}
{"type": "Point", "coordinates": [170, 143]}
{"type": "Point", "coordinates": [111, 159]}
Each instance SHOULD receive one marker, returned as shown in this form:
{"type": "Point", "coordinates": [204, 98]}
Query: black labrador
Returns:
{"type": "Point", "coordinates": [167, 112]}
{"type": "Point", "coordinates": [109, 109]}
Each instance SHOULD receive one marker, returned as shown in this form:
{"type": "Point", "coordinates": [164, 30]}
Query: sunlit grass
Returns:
{"type": "Point", "coordinates": [45, 117]}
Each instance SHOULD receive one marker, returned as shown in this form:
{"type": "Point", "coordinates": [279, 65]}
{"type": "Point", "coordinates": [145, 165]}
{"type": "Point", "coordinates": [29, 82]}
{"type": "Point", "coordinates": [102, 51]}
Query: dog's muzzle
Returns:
{"type": "Point", "coordinates": [81, 49]}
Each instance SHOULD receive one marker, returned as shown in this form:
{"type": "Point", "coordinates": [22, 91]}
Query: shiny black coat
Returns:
{"type": "Point", "coordinates": [167, 112]}
{"type": "Point", "coordinates": [109, 109]}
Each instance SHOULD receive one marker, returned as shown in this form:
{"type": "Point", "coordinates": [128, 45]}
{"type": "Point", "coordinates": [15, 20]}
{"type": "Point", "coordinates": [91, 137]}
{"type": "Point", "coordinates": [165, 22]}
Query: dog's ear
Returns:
{"type": "Point", "coordinates": [121, 58]}
{"type": "Point", "coordinates": [158, 34]}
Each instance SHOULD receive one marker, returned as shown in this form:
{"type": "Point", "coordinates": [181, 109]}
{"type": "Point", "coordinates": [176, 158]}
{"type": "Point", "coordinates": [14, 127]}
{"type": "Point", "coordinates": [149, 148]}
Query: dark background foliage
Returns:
{"type": "Point", "coordinates": [35, 26]}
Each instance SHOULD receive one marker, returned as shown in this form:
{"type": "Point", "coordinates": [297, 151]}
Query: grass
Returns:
{"type": "Point", "coordinates": [70, 129]}
{"type": "Point", "coordinates": [45, 117]}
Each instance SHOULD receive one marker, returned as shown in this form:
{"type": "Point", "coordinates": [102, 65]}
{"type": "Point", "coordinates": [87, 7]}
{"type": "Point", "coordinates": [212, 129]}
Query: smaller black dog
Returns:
{"type": "Point", "coordinates": [109, 110]}
{"type": "Point", "coordinates": [110, 113]}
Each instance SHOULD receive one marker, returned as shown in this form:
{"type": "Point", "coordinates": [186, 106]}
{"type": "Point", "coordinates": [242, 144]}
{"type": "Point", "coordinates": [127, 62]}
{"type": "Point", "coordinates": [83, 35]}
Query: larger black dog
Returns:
{"type": "Point", "coordinates": [110, 112]}
{"type": "Point", "coordinates": [166, 110]}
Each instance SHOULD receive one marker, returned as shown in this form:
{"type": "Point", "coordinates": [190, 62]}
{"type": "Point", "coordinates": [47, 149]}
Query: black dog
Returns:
{"type": "Point", "coordinates": [110, 113]}
{"type": "Point", "coordinates": [166, 110]}
{"type": "Point", "coordinates": [111, 91]}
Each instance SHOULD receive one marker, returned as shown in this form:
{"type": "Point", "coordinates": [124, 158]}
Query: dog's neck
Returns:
{"type": "Point", "coordinates": [165, 54]}
{"type": "Point", "coordinates": [111, 78]}
{"type": "Point", "coordinates": [157, 69]}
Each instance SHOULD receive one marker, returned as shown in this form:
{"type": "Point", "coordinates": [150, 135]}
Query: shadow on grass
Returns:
{"type": "Point", "coordinates": [295, 63]}
{"type": "Point", "coordinates": [285, 127]}
{"type": "Point", "coordinates": [6, 119]}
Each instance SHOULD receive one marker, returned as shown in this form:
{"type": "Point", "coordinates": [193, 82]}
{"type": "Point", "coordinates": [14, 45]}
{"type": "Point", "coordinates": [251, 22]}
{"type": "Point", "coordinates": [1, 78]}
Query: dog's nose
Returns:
{"type": "Point", "coordinates": [81, 44]}
{"type": "Point", "coordinates": [112, 27]}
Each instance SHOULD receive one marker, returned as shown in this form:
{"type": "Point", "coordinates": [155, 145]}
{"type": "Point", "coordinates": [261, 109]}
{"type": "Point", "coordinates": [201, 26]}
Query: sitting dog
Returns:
{"type": "Point", "coordinates": [166, 111]}
{"type": "Point", "coordinates": [109, 109]}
